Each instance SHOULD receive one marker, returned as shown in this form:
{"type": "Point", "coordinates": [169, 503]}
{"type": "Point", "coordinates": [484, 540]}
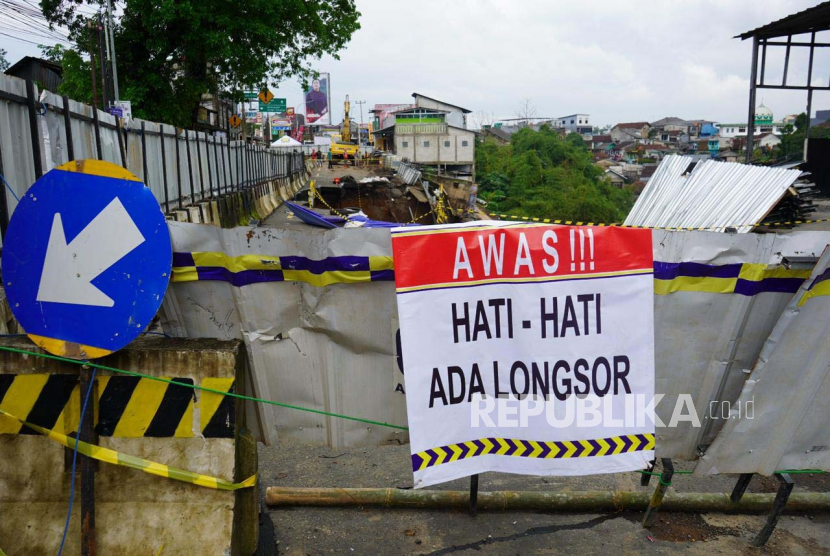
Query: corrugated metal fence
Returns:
{"type": "Point", "coordinates": [180, 166]}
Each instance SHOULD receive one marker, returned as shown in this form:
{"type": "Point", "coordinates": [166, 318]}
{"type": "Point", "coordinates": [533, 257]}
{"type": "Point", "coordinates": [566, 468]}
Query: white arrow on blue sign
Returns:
{"type": "Point", "coordinates": [87, 259]}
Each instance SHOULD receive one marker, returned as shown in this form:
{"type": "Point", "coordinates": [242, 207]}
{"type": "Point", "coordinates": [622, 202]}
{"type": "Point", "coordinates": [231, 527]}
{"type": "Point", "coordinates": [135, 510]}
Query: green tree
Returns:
{"type": "Point", "coordinates": [4, 64]}
{"type": "Point", "coordinates": [540, 174]}
{"type": "Point", "coordinates": [170, 52]}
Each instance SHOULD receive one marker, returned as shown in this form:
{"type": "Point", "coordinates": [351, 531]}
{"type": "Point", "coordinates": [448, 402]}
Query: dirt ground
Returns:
{"type": "Point", "coordinates": [376, 202]}
{"type": "Point", "coordinates": [380, 531]}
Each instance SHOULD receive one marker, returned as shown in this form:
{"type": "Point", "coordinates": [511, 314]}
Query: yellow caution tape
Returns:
{"type": "Point", "coordinates": [151, 467]}
{"type": "Point", "coordinates": [616, 225]}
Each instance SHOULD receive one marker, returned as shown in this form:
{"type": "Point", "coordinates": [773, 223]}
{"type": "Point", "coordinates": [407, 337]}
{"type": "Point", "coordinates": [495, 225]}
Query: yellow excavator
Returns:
{"type": "Point", "coordinates": [344, 146]}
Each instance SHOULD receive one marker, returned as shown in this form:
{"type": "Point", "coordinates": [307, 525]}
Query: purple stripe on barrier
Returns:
{"type": "Point", "coordinates": [183, 259]}
{"type": "Point", "coordinates": [670, 271]}
{"type": "Point", "coordinates": [242, 278]}
{"type": "Point", "coordinates": [781, 285]}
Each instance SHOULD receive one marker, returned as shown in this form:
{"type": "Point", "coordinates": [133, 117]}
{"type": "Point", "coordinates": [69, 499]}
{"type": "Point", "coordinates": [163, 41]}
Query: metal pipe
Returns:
{"type": "Point", "coordinates": [189, 166]}
{"type": "Point", "coordinates": [659, 492]}
{"type": "Point", "coordinates": [87, 434]}
{"type": "Point", "coordinates": [579, 501]}
{"type": "Point", "coordinates": [750, 126]}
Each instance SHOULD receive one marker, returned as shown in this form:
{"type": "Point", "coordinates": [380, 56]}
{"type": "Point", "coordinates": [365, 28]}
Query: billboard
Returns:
{"type": "Point", "coordinates": [318, 101]}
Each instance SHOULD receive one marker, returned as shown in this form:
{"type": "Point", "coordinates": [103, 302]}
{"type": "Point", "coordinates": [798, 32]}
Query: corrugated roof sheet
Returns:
{"type": "Point", "coordinates": [715, 195]}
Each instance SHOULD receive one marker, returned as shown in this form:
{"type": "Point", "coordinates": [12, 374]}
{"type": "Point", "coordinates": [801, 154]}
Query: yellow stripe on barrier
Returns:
{"type": "Point", "coordinates": [819, 290]}
{"type": "Point", "coordinates": [695, 284]}
{"type": "Point", "coordinates": [117, 458]}
{"type": "Point", "coordinates": [236, 264]}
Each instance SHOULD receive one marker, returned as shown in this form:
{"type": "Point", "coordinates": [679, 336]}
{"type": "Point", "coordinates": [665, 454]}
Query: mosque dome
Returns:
{"type": "Point", "coordinates": [763, 115]}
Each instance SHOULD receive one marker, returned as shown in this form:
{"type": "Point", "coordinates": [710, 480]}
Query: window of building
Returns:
{"type": "Point", "coordinates": [426, 143]}
{"type": "Point", "coordinates": [572, 121]}
{"type": "Point", "coordinates": [741, 130]}
{"type": "Point", "coordinates": [404, 144]}
{"type": "Point", "coordinates": [446, 143]}
{"type": "Point", "coordinates": [463, 143]}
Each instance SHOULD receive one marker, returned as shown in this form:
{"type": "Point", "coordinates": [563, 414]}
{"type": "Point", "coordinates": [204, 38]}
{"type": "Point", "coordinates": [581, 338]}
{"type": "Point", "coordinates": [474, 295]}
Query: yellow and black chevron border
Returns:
{"type": "Point", "coordinates": [117, 458]}
{"type": "Point", "coordinates": [532, 449]}
{"type": "Point", "coordinates": [668, 228]}
{"type": "Point", "coordinates": [127, 406]}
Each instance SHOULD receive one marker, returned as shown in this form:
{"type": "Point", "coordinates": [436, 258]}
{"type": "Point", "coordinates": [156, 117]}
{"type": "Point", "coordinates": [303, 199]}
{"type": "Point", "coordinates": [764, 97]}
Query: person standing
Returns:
{"type": "Point", "coordinates": [329, 158]}
{"type": "Point", "coordinates": [319, 158]}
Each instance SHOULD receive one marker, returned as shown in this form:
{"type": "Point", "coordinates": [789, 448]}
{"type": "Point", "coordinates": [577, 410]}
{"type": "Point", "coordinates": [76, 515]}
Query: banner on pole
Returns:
{"type": "Point", "coordinates": [527, 348]}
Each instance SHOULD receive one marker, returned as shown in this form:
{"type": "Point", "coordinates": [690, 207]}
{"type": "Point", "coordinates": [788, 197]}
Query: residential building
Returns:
{"type": "Point", "coordinates": [633, 131]}
{"type": "Point", "coordinates": [455, 115]}
{"type": "Point", "coordinates": [615, 176]}
{"type": "Point", "coordinates": [767, 141]}
{"type": "Point", "coordinates": [424, 136]}
{"type": "Point", "coordinates": [575, 123]}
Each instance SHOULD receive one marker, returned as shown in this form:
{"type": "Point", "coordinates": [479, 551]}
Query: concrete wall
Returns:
{"type": "Point", "coordinates": [429, 148]}
{"type": "Point", "coordinates": [136, 513]}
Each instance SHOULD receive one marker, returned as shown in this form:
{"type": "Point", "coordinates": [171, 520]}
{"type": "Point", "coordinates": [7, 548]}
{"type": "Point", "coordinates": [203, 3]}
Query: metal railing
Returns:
{"type": "Point", "coordinates": [41, 131]}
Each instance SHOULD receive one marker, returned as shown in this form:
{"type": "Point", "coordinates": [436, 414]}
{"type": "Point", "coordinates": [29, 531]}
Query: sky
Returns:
{"type": "Point", "coordinates": [617, 61]}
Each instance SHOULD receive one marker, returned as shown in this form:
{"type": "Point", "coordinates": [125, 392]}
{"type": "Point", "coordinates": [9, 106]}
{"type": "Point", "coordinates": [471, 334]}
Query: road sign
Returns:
{"type": "Point", "coordinates": [276, 105]}
{"type": "Point", "coordinates": [235, 120]}
{"type": "Point", "coordinates": [265, 95]}
{"type": "Point", "coordinates": [250, 95]}
{"type": "Point", "coordinates": [86, 259]}
{"type": "Point", "coordinates": [289, 111]}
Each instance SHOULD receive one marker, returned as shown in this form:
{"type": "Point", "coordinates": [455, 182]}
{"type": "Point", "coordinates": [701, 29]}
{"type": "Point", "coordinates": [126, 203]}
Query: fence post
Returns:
{"type": "Point", "coordinates": [121, 143]}
{"type": "Point", "coordinates": [189, 167]}
{"type": "Point", "coordinates": [784, 489]}
{"type": "Point", "coordinates": [4, 206]}
{"type": "Point", "coordinates": [740, 487]}
{"type": "Point", "coordinates": [201, 172]}
{"type": "Point", "coordinates": [144, 154]}
{"type": "Point", "coordinates": [178, 168]}
{"type": "Point", "coordinates": [164, 170]}
{"type": "Point", "coordinates": [98, 147]}
{"type": "Point", "coordinates": [33, 128]}
{"type": "Point", "coordinates": [67, 123]}
{"type": "Point", "coordinates": [207, 155]}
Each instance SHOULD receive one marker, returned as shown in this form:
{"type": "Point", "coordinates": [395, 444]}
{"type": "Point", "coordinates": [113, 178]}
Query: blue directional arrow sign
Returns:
{"type": "Point", "coordinates": [86, 259]}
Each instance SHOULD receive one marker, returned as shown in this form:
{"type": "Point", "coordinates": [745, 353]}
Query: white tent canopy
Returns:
{"type": "Point", "coordinates": [286, 141]}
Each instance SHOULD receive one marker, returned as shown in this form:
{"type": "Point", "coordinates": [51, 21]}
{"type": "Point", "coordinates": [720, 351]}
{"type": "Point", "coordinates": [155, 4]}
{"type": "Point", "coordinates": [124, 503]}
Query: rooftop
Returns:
{"type": "Point", "coordinates": [464, 110]}
{"type": "Point", "coordinates": [632, 125]}
{"type": "Point", "coordinates": [810, 20]}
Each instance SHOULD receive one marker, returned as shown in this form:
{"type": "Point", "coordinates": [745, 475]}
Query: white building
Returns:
{"type": "Point", "coordinates": [763, 124]}
{"type": "Point", "coordinates": [576, 123]}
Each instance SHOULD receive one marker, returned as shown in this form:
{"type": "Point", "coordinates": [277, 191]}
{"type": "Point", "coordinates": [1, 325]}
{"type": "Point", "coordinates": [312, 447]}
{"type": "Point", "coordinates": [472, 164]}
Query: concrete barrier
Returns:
{"type": "Point", "coordinates": [136, 513]}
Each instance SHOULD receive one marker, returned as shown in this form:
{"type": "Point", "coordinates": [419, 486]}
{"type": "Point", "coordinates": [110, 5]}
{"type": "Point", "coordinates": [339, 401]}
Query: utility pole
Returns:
{"type": "Point", "coordinates": [104, 84]}
{"type": "Point", "coordinates": [359, 135]}
{"type": "Point", "coordinates": [112, 49]}
{"type": "Point", "coordinates": [92, 63]}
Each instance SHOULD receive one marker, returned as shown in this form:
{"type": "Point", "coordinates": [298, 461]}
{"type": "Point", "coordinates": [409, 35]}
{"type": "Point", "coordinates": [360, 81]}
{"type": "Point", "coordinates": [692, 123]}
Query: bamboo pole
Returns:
{"type": "Point", "coordinates": [580, 501]}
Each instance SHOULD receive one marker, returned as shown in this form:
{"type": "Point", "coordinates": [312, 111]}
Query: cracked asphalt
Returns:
{"type": "Point", "coordinates": [379, 531]}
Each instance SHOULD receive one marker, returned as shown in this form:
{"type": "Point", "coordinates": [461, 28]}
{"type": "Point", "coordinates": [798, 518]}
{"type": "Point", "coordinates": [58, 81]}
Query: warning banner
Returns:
{"type": "Point", "coordinates": [527, 348]}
